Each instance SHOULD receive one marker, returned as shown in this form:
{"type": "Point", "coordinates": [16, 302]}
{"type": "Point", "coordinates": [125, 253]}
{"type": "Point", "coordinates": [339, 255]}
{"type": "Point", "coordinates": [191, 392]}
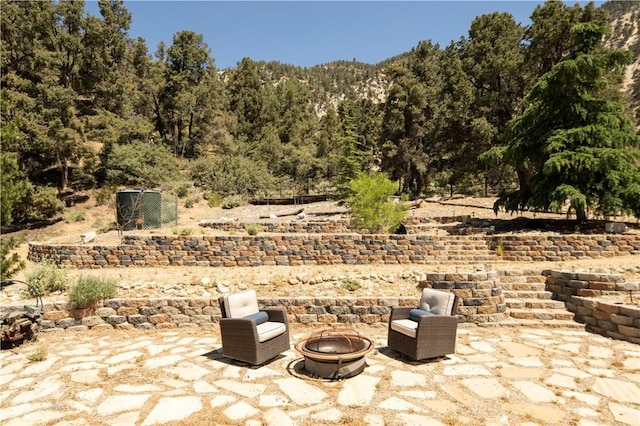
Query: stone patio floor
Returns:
{"type": "Point", "coordinates": [498, 376]}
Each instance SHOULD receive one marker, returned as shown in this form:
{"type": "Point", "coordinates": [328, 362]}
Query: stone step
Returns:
{"type": "Point", "coordinates": [540, 314]}
{"type": "Point", "coordinates": [536, 323]}
{"type": "Point", "coordinates": [511, 294]}
{"type": "Point", "coordinates": [535, 304]}
{"type": "Point", "coordinates": [529, 278]}
{"type": "Point", "coordinates": [522, 286]}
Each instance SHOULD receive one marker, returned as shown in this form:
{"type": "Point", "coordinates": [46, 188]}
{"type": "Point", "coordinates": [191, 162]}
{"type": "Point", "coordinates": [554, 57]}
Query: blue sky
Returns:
{"type": "Point", "coordinates": [308, 33]}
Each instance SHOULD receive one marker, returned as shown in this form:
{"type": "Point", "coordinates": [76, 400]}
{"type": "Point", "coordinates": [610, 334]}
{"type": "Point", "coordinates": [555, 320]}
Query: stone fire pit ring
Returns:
{"type": "Point", "coordinates": [335, 353]}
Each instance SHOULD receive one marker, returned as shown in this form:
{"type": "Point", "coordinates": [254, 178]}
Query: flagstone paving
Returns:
{"type": "Point", "coordinates": [498, 376]}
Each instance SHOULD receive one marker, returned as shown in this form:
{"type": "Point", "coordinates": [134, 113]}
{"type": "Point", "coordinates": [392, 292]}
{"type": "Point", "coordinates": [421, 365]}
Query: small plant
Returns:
{"type": "Point", "coordinates": [45, 278]}
{"type": "Point", "coordinates": [75, 216]}
{"type": "Point", "coordinates": [11, 264]}
{"type": "Point", "coordinates": [111, 226]}
{"type": "Point", "coordinates": [500, 247]}
{"type": "Point", "coordinates": [181, 190]}
{"type": "Point", "coordinates": [90, 289]}
{"type": "Point", "coordinates": [231, 201]}
{"type": "Point", "coordinates": [368, 198]}
{"type": "Point", "coordinates": [351, 284]}
{"type": "Point", "coordinates": [253, 228]}
{"type": "Point", "coordinates": [214, 200]}
{"type": "Point", "coordinates": [191, 201]}
{"type": "Point", "coordinates": [182, 231]}
{"type": "Point", "coordinates": [39, 354]}
{"type": "Point", "coordinates": [105, 195]}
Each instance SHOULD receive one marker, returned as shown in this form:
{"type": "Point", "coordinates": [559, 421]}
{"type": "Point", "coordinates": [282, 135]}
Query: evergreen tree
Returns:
{"type": "Point", "coordinates": [573, 145]}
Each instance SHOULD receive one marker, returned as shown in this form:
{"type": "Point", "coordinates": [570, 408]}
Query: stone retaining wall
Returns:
{"type": "Point", "coordinates": [480, 301]}
{"type": "Point", "coordinates": [566, 284]}
{"type": "Point", "coordinates": [556, 247]}
{"type": "Point", "coordinates": [267, 250]}
{"type": "Point", "coordinates": [579, 290]}
{"type": "Point", "coordinates": [616, 320]}
{"type": "Point", "coordinates": [203, 312]}
{"type": "Point", "coordinates": [326, 249]}
{"type": "Point", "coordinates": [480, 298]}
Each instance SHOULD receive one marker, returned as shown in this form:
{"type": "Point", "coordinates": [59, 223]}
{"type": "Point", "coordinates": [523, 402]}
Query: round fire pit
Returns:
{"type": "Point", "coordinates": [335, 353]}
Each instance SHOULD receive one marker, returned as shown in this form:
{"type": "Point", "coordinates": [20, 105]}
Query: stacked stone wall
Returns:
{"type": "Point", "coordinates": [327, 249]}
{"type": "Point", "coordinates": [480, 298]}
{"type": "Point", "coordinates": [616, 320]}
{"type": "Point", "coordinates": [584, 294]}
{"type": "Point", "coordinates": [557, 247]}
{"type": "Point", "coordinates": [267, 250]}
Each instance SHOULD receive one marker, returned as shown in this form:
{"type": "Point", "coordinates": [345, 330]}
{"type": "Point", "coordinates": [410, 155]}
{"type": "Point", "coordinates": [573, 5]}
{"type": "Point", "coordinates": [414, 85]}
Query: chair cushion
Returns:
{"type": "Point", "coordinates": [240, 305]}
{"type": "Point", "coordinates": [260, 317]}
{"type": "Point", "coordinates": [415, 314]}
{"type": "Point", "coordinates": [405, 326]}
{"type": "Point", "coordinates": [437, 302]}
{"type": "Point", "coordinates": [268, 330]}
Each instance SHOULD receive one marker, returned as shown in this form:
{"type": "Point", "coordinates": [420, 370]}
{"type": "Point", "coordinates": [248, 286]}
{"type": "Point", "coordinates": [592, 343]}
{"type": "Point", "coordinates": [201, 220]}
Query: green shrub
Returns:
{"type": "Point", "coordinates": [41, 203]}
{"type": "Point", "coordinates": [45, 278]}
{"type": "Point", "coordinates": [14, 186]}
{"type": "Point", "coordinates": [140, 163]}
{"type": "Point", "coordinates": [110, 226]}
{"type": "Point", "coordinates": [11, 263]}
{"type": "Point", "coordinates": [253, 228]}
{"type": "Point", "coordinates": [90, 289]}
{"type": "Point", "coordinates": [75, 216]}
{"type": "Point", "coordinates": [182, 231]}
{"type": "Point", "coordinates": [351, 284]}
{"type": "Point", "coordinates": [181, 190]}
{"type": "Point", "coordinates": [231, 201]}
{"type": "Point", "coordinates": [105, 195]}
{"type": "Point", "coordinates": [214, 200]}
{"type": "Point", "coordinates": [231, 175]}
{"type": "Point", "coordinates": [191, 201]}
{"type": "Point", "coordinates": [39, 354]}
{"type": "Point", "coordinates": [370, 206]}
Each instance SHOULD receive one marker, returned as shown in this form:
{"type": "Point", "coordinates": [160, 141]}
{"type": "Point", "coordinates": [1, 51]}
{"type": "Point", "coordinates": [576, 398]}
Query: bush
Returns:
{"type": "Point", "coordinates": [140, 164]}
{"type": "Point", "coordinates": [231, 175]}
{"type": "Point", "coordinates": [45, 278]}
{"type": "Point", "coordinates": [75, 216]}
{"type": "Point", "coordinates": [39, 354]}
{"type": "Point", "coordinates": [13, 188]}
{"type": "Point", "coordinates": [11, 264]}
{"type": "Point", "coordinates": [181, 190]}
{"type": "Point", "coordinates": [253, 228]}
{"type": "Point", "coordinates": [351, 284]}
{"type": "Point", "coordinates": [90, 289]}
{"type": "Point", "coordinates": [41, 203]}
{"type": "Point", "coordinates": [182, 231]}
{"type": "Point", "coordinates": [370, 204]}
{"type": "Point", "coordinates": [191, 201]}
{"type": "Point", "coordinates": [214, 200]}
{"type": "Point", "coordinates": [105, 195]}
{"type": "Point", "coordinates": [231, 201]}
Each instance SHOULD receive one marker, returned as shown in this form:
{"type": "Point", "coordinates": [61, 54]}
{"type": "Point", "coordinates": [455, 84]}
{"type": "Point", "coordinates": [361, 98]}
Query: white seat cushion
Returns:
{"type": "Point", "coordinates": [437, 302]}
{"type": "Point", "coordinates": [405, 326]}
{"type": "Point", "coordinates": [240, 305]}
{"type": "Point", "coordinates": [269, 330]}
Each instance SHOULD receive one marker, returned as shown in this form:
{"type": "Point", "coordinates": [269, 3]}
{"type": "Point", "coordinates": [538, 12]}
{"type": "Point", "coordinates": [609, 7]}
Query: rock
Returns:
{"type": "Point", "coordinates": [88, 237]}
{"type": "Point", "coordinates": [615, 227]}
{"type": "Point", "coordinates": [205, 281]}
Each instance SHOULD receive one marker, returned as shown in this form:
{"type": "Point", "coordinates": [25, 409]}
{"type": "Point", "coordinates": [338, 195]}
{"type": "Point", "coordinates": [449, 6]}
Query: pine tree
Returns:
{"type": "Point", "coordinates": [573, 145]}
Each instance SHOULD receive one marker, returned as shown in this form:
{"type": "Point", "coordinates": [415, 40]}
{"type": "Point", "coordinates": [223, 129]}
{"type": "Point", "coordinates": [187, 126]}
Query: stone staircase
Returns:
{"type": "Point", "coordinates": [529, 304]}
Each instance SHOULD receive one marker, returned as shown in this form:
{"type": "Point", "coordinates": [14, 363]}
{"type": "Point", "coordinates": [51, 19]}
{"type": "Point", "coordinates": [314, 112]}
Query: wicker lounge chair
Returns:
{"type": "Point", "coordinates": [251, 335]}
{"type": "Point", "coordinates": [426, 331]}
